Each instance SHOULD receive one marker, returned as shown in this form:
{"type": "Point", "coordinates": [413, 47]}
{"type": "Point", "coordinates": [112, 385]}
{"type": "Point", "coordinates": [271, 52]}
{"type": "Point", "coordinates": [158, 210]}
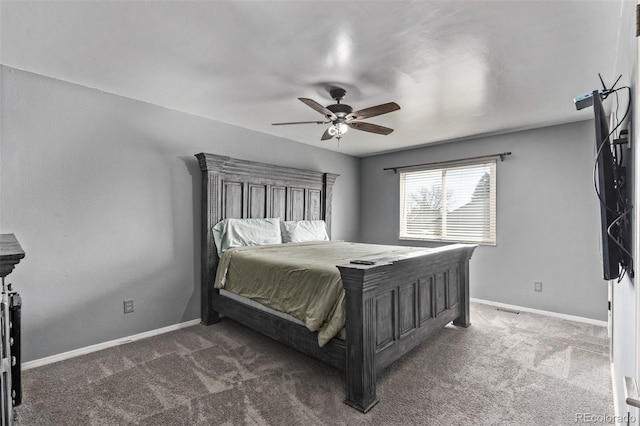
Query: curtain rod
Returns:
{"type": "Point", "coordinates": [501, 155]}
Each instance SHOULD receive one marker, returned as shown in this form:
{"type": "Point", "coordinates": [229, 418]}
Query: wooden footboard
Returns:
{"type": "Point", "coordinates": [396, 304]}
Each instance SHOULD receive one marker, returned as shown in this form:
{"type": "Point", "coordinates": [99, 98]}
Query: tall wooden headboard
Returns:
{"type": "Point", "coordinates": [233, 188]}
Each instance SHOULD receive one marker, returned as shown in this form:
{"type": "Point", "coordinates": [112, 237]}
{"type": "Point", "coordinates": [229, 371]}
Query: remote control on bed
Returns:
{"type": "Point", "coordinates": [363, 262]}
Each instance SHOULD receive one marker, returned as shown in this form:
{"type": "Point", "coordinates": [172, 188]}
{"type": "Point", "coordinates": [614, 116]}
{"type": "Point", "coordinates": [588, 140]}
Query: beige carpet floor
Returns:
{"type": "Point", "coordinates": [506, 369]}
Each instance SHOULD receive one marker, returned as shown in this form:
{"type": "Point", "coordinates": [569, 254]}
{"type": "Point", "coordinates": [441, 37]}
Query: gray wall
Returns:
{"type": "Point", "coordinates": [103, 193]}
{"type": "Point", "coordinates": [547, 217]}
{"type": "Point", "coordinates": [625, 295]}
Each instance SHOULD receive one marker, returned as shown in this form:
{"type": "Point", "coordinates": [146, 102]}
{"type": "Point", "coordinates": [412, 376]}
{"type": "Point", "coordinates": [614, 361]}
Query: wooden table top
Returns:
{"type": "Point", "coordinates": [10, 247]}
{"type": "Point", "coordinates": [10, 253]}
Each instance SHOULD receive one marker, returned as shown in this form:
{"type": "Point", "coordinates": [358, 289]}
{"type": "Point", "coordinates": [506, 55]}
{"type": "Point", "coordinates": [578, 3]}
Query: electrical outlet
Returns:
{"type": "Point", "coordinates": [128, 306]}
{"type": "Point", "coordinates": [537, 286]}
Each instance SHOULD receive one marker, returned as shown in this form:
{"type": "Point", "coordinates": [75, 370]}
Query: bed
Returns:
{"type": "Point", "coordinates": [390, 307]}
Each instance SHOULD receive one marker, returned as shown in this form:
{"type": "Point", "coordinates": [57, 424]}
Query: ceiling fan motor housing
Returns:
{"type": "Point", "coordinates": [340, 110]}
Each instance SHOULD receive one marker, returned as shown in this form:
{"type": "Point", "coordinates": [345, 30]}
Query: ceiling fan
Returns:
{"type": "Point", "coordinates": [342, 117]}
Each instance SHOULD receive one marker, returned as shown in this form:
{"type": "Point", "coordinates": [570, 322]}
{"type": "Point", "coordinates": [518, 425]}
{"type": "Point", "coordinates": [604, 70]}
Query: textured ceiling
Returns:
{"type": "Point", "coordinates": [457, 68]}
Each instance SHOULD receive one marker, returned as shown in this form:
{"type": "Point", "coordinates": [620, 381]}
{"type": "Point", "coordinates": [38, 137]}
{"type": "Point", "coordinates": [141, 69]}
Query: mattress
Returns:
{"type": "Point", "coordinates": [299, 279]}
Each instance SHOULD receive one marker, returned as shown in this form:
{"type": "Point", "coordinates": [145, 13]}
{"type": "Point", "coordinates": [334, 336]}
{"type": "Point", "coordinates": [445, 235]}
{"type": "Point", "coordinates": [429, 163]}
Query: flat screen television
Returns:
{"type": "Point", "coordinates": [608, 188]}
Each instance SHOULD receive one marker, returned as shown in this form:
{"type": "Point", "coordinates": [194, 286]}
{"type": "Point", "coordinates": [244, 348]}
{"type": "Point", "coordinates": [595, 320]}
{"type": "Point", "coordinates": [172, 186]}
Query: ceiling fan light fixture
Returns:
{"type": "Point", "coordinates": [338, 129]}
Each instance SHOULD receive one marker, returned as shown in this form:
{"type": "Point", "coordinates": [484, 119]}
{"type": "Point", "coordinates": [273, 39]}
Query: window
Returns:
{"type": "Point", "coordinates": [453, 204]}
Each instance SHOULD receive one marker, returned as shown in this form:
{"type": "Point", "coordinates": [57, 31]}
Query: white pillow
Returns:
{"type": "Point", "coordinates": [231, 233]}
{"type": "Point", "coordinates": [296, 231]}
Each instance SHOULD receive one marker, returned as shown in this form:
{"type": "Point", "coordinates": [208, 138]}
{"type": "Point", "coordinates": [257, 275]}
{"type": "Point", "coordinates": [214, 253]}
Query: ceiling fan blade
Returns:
{"type": "Point", "coordinates": [368, 127]}
{"type": "Point", "coordinates": [300, 122]}
{"type": "Point", "coordinates": [373, 111]}
{"type": "Point", "coordinates": [322, 110]}
{"type": "Point", "coordinates": [326, 135]}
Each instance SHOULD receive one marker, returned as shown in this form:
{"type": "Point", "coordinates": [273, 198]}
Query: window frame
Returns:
{"type": "Point", "coordinates": [492, 238]}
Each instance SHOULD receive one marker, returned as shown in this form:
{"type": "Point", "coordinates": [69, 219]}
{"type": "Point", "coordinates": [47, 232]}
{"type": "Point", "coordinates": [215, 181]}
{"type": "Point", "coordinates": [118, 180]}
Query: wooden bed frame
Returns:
{"type": "Point", "coordinates": [391, 307]}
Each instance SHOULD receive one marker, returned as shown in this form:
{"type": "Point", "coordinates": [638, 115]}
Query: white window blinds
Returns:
{"type": "Point", "coordinates": [453, 204]}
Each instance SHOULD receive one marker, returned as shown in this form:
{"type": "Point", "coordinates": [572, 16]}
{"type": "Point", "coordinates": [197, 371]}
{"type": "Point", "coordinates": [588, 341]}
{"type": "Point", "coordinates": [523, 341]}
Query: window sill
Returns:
{"type": "Point", "coordinates": [443, 241]}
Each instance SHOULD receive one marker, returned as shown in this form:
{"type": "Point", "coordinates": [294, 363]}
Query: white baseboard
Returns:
{"type": "Point", "coordinates": [541, 312]}
{"type": "Point", "coordinates": [105, 345]}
